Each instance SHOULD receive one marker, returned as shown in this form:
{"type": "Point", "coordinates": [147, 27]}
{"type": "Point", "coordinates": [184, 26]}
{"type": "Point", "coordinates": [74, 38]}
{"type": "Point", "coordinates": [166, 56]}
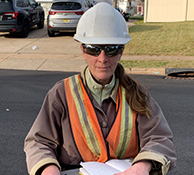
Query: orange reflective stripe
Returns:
{"type": "Point", "coordinates": [95, 124]}
{"type": "Point", "coordinates": [89, 128]}
{"type": "Point", "coordinates": [133, 147]}
{"type": "Point", "coordinates": [114, 135]}
{"type": "Point", "coordinates": [123, 140]}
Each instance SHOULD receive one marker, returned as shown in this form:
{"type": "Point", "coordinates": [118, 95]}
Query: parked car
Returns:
{"type": "Point", "coordinates": [126, 15]}
{"type": "Point", "coordinates": [17, 16]}
{"type": "Point", "coordinates": [64, 15]}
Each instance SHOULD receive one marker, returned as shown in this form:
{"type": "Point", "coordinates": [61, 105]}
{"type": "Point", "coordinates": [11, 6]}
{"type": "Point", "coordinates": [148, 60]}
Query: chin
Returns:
{"type": "Point", "coordinates": [104, 78]}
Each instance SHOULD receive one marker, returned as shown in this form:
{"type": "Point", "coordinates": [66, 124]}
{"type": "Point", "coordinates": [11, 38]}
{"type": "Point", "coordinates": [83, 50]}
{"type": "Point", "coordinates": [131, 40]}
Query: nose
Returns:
{"type": "Point", "coordinates": [103, 58]}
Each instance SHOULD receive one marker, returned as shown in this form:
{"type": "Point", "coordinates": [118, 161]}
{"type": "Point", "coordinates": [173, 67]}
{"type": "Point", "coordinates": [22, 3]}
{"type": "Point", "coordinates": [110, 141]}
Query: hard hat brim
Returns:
{"type": "Point", "coordinates": [92, 40]}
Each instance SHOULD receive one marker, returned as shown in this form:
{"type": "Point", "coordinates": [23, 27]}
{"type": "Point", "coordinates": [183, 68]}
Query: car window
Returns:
{"type": "Point", "coordinates": [6, 5]}
{"type": "Point", "coordinates": [21, 3]}
{"type": "Point", "coordinates": [66, 6]}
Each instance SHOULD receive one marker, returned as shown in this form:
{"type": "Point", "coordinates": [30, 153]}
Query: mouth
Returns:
{"type": "Point", "coordinates": [102, 68]}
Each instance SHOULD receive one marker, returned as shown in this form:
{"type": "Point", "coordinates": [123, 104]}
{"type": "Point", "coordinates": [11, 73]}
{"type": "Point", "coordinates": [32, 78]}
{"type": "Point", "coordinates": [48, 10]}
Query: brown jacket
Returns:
{"type": "Point", "coordinates": [50, 140]}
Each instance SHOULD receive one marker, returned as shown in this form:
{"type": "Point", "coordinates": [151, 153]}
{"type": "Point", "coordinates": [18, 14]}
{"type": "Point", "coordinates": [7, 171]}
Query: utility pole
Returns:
{"type": "Point", "coordinates": [129, 1]}
{"type": "Point", "coordinates": [115, 4]}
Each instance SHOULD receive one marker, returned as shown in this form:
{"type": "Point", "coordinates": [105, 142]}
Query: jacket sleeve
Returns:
{"type": "Point", "coordinates": [156, 141]}
{"type": "Point", "coordinates": [43, 139]}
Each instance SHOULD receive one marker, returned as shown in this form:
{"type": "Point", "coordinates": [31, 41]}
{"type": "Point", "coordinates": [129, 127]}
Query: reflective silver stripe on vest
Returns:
{"type": "Point", "coordinates": [126, 126]}
{"type": "Point", "coordinates": [89, 133]}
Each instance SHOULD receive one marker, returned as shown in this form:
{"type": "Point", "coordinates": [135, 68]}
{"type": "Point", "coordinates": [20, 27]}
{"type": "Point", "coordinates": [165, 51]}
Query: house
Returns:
{"type": "Point", "coordinates": [168, 10]}
{"type": "Point", "coordinates": [135, 7]}
{"type": "Point", "coordinates": [140, 9]}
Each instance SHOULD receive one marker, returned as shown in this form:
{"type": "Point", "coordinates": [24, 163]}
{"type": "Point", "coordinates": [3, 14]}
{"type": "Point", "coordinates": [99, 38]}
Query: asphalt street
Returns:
{"type": "Point", "coordinates": [22, 93]}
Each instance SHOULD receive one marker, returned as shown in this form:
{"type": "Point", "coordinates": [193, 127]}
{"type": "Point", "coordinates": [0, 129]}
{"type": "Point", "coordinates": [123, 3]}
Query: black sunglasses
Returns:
{"type": "Point", "coordinates": [95, 50]}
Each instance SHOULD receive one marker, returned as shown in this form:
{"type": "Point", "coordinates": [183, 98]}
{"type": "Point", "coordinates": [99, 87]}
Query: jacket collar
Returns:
{"type": "Point", "coordinates": [95, 88]}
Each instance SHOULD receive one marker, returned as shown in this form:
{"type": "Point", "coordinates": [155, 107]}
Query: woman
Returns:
{"type": "Point", "coordinates": [101, 113]}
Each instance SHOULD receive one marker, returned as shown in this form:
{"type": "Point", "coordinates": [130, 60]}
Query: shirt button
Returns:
{"type": "Point", "coordinates": [104, 124]}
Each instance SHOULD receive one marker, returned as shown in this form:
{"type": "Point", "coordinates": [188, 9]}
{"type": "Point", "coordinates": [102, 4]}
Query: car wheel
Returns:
{"type": "Point", "coordinates": [40, 25]}
{"type": "Point", "coordinates": [127, 19]}
{"type": "Point", "coordinates": [51, 33]}
{"type": "Point", "coordinates": [25, 30]}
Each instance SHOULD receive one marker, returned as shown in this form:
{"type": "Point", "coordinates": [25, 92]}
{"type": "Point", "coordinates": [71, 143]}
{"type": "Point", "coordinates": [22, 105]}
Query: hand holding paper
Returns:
{"type": "Point", "coordinates": [109, 168]}
{"type": "Point", "coordinates": [139, 168]}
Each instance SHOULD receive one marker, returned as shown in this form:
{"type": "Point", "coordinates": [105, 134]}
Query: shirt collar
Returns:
{"type": "Point", "coordinates": [96, 89]}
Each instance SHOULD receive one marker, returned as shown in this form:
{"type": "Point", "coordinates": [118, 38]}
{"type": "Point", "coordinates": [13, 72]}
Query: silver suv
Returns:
{"type": "Point", "coordinates": [64, 15]}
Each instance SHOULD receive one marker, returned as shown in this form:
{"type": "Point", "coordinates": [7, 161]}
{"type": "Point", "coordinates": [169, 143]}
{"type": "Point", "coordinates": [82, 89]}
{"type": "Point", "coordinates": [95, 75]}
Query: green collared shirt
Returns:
{"type": "Point", "coordinates": [98, 91]}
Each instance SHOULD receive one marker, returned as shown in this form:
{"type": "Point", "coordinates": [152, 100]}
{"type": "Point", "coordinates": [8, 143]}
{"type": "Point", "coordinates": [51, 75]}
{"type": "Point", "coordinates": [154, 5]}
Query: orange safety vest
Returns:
{"type": "Point", "coordinates": [122, 139]}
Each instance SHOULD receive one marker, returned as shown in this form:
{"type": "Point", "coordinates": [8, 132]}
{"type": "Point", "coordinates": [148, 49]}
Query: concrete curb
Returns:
{"type": "Point", "coordinates": [146, 71]}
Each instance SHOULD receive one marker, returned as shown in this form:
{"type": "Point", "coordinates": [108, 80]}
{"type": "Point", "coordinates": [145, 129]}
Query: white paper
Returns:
{"type": "Point", "coordinates": [121, 165]}
{"type": "Point", "coordinates": [109, 168]}
{"type": "Point", "coordinates": [98, 168]}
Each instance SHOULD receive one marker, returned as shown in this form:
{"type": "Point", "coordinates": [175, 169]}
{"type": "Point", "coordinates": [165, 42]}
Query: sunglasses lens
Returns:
{"type": "Point", "coordinates": [109, 50]}
{"type": "Point", "coordinates": [92, 50]}
{"type": "Point", "coordinates": [113, 50]}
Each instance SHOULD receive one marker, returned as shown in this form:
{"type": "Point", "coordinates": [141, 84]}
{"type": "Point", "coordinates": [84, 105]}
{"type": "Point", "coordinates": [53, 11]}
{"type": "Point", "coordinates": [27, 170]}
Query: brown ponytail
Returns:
{"type": "Point", "coordinates": [137, 96]}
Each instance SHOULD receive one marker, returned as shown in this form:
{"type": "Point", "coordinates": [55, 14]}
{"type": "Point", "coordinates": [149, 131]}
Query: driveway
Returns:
{"type": "Point", "coordinates": [62, 44]}
{"type": "Point", "coordinates": [40, 52]}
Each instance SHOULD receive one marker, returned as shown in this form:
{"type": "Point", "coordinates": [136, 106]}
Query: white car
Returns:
{"type": "Point", "coordinates": [64, 15]}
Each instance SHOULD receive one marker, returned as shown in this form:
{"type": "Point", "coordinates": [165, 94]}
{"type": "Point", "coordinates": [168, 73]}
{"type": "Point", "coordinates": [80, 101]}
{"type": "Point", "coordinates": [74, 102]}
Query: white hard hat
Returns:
{"type": "Point", "coordinates": [102, 24]}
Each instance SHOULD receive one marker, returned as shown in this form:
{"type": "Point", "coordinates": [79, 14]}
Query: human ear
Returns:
{"type": "Point", "coordinates": [121, 54]}
{"type": "Point", "coordinates": [123, 50]}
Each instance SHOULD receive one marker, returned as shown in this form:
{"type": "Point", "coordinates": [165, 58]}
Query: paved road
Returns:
{"type": "Point", "coordinates": [22, 93]}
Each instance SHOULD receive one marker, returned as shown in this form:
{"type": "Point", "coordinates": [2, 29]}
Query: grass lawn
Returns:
{"type": "Point", "coordinates": [170, 39]}
{"type": "Point", "coordinates": [175, 38]}
{"type": "Point", "coordinates": [158, 63]}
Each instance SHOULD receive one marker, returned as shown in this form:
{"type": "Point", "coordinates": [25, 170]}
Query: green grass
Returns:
{"type": "Point", "coordinates": [136, 17]}
{"type": "Point", "coordinates": [158, 63]}
{"type": "Point", "coordinates": [160, 39]}
{"type": "Point", "coordinates": [175, 38]}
